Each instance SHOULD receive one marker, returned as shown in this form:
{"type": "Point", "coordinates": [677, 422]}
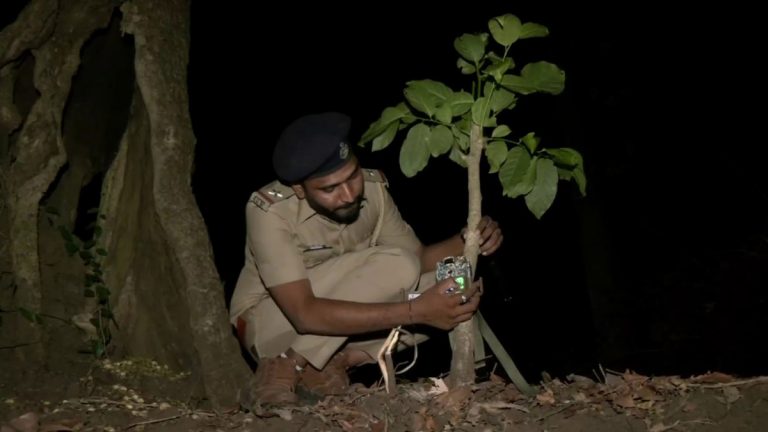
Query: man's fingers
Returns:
{"type": "Point", "coordinates": [464, 317]}
{"type": "Point", "coordinates": [448, 285]}
{"type": "Point", "coordinates": [476, 288]}
{"type": "Point", "coordinates": [493, 243]}
{"type": "Point", "coordinates": [469, 305]}
{"type": "Point", "coordinates": [488, 232]}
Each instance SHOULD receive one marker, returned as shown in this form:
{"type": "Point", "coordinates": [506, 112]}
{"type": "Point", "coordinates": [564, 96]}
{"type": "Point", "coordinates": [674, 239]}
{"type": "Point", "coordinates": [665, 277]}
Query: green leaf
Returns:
{"type": "Point", "coordinates": [502, 99]}
{"type": "Point", "coordinates": [88, 293]}
{"type": "Point", "coordinates": [497, 70]}
{"type": "Point", "coordinates": [466, 67]}
{"type": "Point", "coordinates": [91, 279]}
{"type": "Point", "coordinates": [581, 179]}
{"type": "Point", "coordinates": [407, 120]}
{"type": "Point", "coordinates": [89, 244]}
{"type": "Point", "coordinates": [72, 248]}
{"type": "Point", "coordinates": [464, 125]}
{"type": "Point", "coordinates": [382, 141]}
{"type": "Point", "coordinates": [505, 29]}
{"type": "Point", "coordinates": [65, 234]}
{"type": "Point", "coordinates": [496, 152]}
{"type": "Point", "coordinates": [460, 103]}
{"type": "Point", "coordinates": [536, 77]}
{"type": "Point", "coordinates": [457, 156]}
{"type": "Point", "coordinates": [86, 255]}
{"type": "Point", "coordinates": [471, 46]}
{"type": "Point", "coordinates": [102, 252]}
{"type": "Point", "coordinates": [427, 95]}
{"type": "Point", "coordinates": [501, 132]}
{"type": "Point", "coordinates": [441, 140]}
{"type": "Point", "coordinates": [97, 231]}
{"type": "Point", "coordinates": [481, 112]}
{"type": "Point", "coordinates": [531, 141]}
{"type": "Point", "coordinates": [462, 139]}
{"type": "Point", "coordinates": [51, 210]}
{"type": "Point", "coordinates": [531, 30]}
{"type": "Point", "coordinates": [565, 174]}
{"type": "Point", "coordinates": [98, 348]}
{"type": "Point", "coordinates": [414, 153]}
{"type": "Point", "coordinates": [102, 293]}
{"type": "Point", "coordinates": [31, 316]}
{"type": "Point", "coordinates": [512, 173]}
{"type": "Point", "coordinates": [444, 114]}
{"type": "Point", "coordinates": [388, 116]}
{"type": "Point", "coordinates": [544, 189]}
{"type": "Point", "coordinates": [566, 156]}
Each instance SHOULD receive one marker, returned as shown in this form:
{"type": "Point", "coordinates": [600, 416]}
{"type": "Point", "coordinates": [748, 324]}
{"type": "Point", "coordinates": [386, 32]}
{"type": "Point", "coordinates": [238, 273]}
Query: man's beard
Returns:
{"type": "Point", "coordinates": [344, 215]}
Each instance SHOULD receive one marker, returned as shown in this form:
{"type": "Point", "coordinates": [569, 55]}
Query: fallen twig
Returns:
{"type": "Point", "coordinates": [159, 420]}
{"type": "Point", "coordinates": [6, 347]}
{"type": "Point", "coordinates": [105, 401]}
{"type": "Point", "coordinates": [550, 414]}
{"type": "Point", "coordinates": [661, 428]}
{"type": "Point", "coordinates": [732, 383]}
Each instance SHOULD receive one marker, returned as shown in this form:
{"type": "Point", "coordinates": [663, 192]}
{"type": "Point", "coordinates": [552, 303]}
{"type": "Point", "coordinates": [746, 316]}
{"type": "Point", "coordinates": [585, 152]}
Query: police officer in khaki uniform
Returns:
{"type": "Point", "coordinates": [327, 257]}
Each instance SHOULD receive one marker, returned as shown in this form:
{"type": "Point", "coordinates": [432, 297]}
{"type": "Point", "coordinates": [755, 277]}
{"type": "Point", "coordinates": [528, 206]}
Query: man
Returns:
{"type": "Point", "coordinates": [328, 256]}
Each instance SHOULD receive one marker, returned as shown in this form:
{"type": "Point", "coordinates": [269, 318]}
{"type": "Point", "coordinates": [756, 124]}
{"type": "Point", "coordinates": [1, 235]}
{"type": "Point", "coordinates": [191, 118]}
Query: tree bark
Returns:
{"type": "Point", "coordinates": [463, 336]}
{"type": "Point", "coordinates": [165, 291]}
{"type": "Point", "coordinates": [161, 31]}
{"type": "Point", "coordinates": [39, 151]}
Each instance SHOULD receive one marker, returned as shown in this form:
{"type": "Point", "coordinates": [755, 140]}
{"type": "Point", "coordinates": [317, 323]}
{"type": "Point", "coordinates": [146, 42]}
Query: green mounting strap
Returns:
{"type": "Point", "coordinates": [502, 356]}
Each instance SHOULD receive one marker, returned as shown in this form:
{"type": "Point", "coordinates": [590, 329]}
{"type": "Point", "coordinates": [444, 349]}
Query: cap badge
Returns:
{"type": "Point", "coordinates": [343, 150]}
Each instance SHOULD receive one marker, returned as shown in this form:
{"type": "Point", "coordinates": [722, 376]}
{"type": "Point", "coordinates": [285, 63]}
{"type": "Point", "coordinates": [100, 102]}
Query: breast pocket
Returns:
{"type": "Point", "coordinates": [316, 255]}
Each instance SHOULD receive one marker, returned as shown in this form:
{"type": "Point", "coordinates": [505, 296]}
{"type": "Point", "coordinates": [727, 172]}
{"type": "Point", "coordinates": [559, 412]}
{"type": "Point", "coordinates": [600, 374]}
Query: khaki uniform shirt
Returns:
{"type": "Point", "coordinates": [285, 237]}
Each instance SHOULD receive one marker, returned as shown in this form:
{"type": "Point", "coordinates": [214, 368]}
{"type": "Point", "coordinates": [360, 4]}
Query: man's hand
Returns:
{"type": "Point", "coordinates": [490, 235]}
{"type": "Point", "coordinates": [444, 307]}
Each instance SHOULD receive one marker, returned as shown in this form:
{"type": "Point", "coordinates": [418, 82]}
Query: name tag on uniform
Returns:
{"type": "Point", "coordinates": [316, 248]}
{"type": "Point", "coordinates": [317, 254]}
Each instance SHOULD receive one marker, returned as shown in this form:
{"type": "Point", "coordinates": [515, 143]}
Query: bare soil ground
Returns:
{"type": "Point", "coordinates": [140, 395]}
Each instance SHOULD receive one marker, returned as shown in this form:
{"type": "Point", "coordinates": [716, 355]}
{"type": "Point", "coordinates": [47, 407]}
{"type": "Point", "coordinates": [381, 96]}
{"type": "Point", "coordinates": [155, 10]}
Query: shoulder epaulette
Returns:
{"type": "Point", "coordinates": [271, 194]}
{"type": "Point", "coordinates": [374, 175]}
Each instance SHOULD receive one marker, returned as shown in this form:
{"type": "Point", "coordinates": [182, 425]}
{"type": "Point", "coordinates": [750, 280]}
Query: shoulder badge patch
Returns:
{"type": "Point", "coordinates": [271, 194]}
{"type": "Point", "coordinates": [374, 175]}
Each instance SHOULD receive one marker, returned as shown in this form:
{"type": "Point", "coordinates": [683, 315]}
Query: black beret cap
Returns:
{"type": "Point", "coordinates": [312, 146]}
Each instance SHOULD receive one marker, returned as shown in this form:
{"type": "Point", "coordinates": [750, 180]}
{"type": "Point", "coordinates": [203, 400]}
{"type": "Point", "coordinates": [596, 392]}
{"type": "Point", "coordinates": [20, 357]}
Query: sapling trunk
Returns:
{"type": "Point", "coordinates": [463, 361]}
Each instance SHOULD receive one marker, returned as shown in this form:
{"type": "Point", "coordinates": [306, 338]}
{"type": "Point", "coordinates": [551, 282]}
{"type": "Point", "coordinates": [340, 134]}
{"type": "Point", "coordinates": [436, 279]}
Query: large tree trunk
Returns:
{"type": "Point", "coordinates": [161, 30]}
{"type": "Point", "coordinates": [135, 131]}
{"type": "Point", "coordinates": [56, 33]}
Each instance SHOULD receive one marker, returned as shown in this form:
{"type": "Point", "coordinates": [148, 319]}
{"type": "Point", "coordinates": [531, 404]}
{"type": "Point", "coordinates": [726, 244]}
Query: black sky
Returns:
{"type": "Point", "coordinates": [665, 106]}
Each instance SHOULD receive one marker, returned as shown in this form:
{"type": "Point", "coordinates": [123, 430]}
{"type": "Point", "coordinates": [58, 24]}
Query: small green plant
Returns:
{"type": "Point", "coordinates": [95, 287]}
{"type": "Point", "coordinates": [469, 124]}
{"type": "Point", "coordinates": [440, 120]}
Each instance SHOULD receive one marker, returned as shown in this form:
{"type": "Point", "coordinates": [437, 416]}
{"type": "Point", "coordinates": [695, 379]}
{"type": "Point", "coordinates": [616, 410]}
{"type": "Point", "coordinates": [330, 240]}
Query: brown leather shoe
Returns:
{"type": "Point", "coordinates": [275, 382]}
{"type": "Point", "coordinates": [331, 380]}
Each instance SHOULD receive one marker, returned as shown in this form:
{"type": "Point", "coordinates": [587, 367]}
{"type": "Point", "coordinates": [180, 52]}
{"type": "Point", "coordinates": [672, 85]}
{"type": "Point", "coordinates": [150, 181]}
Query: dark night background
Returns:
{"type": "Point", "coordinates": [661, 268]}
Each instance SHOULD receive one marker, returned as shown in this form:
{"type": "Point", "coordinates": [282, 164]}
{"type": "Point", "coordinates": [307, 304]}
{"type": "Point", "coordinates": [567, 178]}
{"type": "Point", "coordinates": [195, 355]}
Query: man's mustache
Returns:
{"type": "Point", "coordinates": [354, 203]}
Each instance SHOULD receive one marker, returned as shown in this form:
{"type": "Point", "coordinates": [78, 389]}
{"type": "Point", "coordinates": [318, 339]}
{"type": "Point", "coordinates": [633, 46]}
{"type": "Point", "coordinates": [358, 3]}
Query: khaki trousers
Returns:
{"type": "Point", "coordinates": [379, 274]}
